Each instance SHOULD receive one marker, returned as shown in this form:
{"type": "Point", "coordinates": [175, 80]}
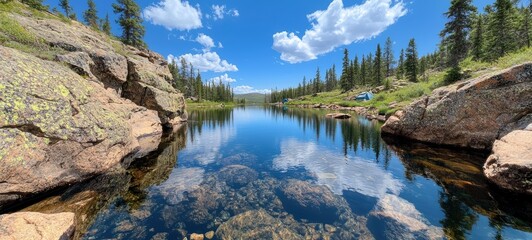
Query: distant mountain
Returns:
{"type": "Point", "coordinates": [251, 97]}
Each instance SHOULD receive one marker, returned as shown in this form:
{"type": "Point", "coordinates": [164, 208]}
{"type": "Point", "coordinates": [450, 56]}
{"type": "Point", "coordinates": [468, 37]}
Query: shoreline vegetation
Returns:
{"type": "Point", "coordinates": [402, 93]}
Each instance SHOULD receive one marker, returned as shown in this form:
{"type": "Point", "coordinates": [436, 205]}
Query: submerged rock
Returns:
{"type": "Point", "coordinates": [255, 224]}
{"type": "Point", "coordinates": [510, 164]}
{"type": "Point", "coordinates": [31, 225]}
{"type": "Point", "coordinates": [472, 113]}
{"type": "Point", "coordinates": [338, 115]}
{"type": "Point", "coordinates": [237, 176]}
{"type": "Point", "coordinates": [312, 202]}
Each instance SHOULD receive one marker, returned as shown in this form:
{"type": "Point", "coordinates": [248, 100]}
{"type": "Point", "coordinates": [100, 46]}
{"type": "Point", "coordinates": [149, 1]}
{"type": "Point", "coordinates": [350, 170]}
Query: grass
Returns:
{"type": "Point", "coordinates": [387, 102]}
{"type": "Point", "coordinates": [478, 68]}
{"type": "Point", "coordinates": [208, 104]}
{"type": "Point", "coordinates": [13, 31]}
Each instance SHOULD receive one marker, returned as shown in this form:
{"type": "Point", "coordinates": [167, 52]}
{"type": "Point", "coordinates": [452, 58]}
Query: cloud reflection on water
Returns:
{"type": "Point", "coordinates": [336, 171]}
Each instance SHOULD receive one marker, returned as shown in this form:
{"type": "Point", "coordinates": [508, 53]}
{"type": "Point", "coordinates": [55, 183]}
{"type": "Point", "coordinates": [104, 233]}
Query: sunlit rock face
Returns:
{"type": "Point", "coordinates": [31, 225]}
{"type": "Point", "coordinates": [510, 164]}
{"type": "Point", "coordinates": [57, 128]}
{"type": "Point", "coordinates": [78, 106]}
{"type": "Point", "coordinates": [472, 113]}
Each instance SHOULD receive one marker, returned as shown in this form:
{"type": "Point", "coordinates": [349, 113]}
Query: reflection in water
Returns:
{"type": "Point", "coordinates": [465, 191]}
{"type": "Point", "coordinates": [334, 170]}
{"type": "Point", "coordinates": [276, 167]}
{"type": "Point", "coordinates": [357, 133]}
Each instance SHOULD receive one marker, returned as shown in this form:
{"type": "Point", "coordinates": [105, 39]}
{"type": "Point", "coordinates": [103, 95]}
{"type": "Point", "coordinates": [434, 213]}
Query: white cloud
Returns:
{"type": "Point", "coordinates": [205, 41]}
{"type": "Point", "coordinates": [173, 14]}
{"type": "Point", "coordinates": [243, 89]}
{"type": "Point", "coordinates": [209, 61]}
{"type": "Point", "coordinates": [223, 78]}
{"type": "Point", "coordinates": [338, 26]}
{"type": "Point", "coordinates": [219, 11]}
{"type": "Point", "coordinates": [220, 45]}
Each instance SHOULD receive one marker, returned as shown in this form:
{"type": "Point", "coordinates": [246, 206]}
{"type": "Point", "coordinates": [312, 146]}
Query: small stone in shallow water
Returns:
{"type": "Point", "coordinates": [196, 236]}
{"type": "Point", "coordinates": [209, 234]}
{"type": "Point", "coordinates": [330, 228]}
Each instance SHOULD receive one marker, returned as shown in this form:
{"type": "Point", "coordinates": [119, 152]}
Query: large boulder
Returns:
{"type": "Point", "coordinates": [31, 225]}
{"type": "Point", "coordinates": [57, 128]}
{"type": "Point", "coordinates": [148, 86]}
{"type": "Point", "coordinates": [510, 164]}
{"type": "Point", "coordinates": [140, 75]}
{"type": "Point", "coordinates": [469, 114]}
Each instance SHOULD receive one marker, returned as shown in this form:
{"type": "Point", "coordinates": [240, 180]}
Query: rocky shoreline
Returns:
{"type": "Point", "coordinates": [370, 113]}
{"type": "Point", "coordinates": [491, 112]}
{"type": "Point", "coordinates": [88, 107]}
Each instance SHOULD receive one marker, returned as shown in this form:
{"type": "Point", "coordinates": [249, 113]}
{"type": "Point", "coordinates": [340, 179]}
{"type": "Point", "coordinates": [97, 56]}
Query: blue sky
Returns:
{"type": "Point", "coordinates": [258, 45]}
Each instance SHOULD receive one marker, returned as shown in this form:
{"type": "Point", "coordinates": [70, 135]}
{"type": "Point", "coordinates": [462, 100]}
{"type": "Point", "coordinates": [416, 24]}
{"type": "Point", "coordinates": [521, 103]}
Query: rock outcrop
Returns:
{"type": "Point", "coordinates": [80, 110]}
{"type": "Point", "coordinates": [468, 114]}
{"type": "Point", "coordinates": [31, 225]}
{"type": "Point", "coordinates": [474, 114]}
{"type": "Point", "coordinates": [141, 76]}
{"type": "Point", "coordinates": [510, 164]}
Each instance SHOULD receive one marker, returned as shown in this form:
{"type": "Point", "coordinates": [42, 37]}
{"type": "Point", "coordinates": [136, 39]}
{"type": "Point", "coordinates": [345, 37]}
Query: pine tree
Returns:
{"type": "Point", "coordinates": [524, 31]}
{"type": "Point", "coordinates": [501, 29]}
{"type": "Point", "coordinates": [377, 67]}
{"type": "Point", "coordinates": [400, 65]}
{"type": "Point", "coordinates": [370, 77]}
{"type": "Point", "coordinates": [388, 57]}
{"type": "Point", "coordinates": [411, 64]}
{"type": "Point", "coordinates": [457, 29]}
{"type": "Point", "coordinates": [106, 25]}
{"type": "Point", "coordinates": [65, 5]}
{"type": "Point", "coordinates": [478, 39]}
{"type": "Point", "coordinates": [344, 78]}
{"type": "Point", "coordinates": [363, 74]}
{"type": "Point", "coordinates": [356, 71]}
{"type": "Point", "coordinates": [334, 77]}
{"type": "Point", "coordinates": [352, 73]}
{"type": "Point", "coordinates": [305, 86]}
{"type": "Point", "coordinates": [91, 15]}
{"type": "Point", "coordinates": [131, 22]}
{"type": "Point", "coordinates": [317, 81]}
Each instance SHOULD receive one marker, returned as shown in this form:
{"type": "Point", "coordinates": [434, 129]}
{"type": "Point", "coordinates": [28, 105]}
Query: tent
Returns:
{"type": "Point", "coordinates": [365, 96]}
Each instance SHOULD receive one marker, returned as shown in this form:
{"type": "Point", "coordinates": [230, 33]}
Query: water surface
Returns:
{"type": "Point", "coordinates": [260, 173]}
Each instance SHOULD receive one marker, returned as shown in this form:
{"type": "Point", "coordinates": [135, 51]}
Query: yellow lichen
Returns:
{"type": "Point", "coordinates": [63, 90]}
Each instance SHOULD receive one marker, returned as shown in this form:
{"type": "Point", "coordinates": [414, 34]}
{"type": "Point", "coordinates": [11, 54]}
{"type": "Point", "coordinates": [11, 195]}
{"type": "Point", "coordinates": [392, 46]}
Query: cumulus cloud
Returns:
{"type": "Point", "coordinates": [173, 14]}
{"type": "Point", "coordinates": [219, 11]}
{"type": "Point", "coordinates": [243, 89]}
{"type": "Point", "coordinates": [208, 61]}
{"type": "Point", "coordinates": [337, 26]}
{"type": "Point", "coordinates": [205, 41]}
{"type": "Point", "coordinates": [223, 78]}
